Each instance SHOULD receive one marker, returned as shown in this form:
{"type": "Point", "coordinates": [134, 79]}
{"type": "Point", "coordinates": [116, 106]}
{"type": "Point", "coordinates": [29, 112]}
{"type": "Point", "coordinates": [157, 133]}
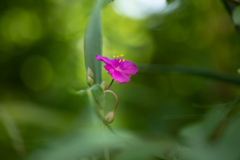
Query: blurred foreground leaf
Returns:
{"type": "Point", "coordinates": [88, 142]}
{"type": "Point", "coordinates": [211, 138]}
{"type": "Point", "coordinates": [236, 16]}
{"type": "Point", "coordinates": [108, 1]}
{"type": "Point", "coordinates": [93, 42]}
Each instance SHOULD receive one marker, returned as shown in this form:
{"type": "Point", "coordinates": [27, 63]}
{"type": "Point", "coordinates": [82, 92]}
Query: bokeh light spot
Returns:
{"type": "Point", "coordinates": [139, 9]}
{"type": "Point", "coordinates": [20, 27]}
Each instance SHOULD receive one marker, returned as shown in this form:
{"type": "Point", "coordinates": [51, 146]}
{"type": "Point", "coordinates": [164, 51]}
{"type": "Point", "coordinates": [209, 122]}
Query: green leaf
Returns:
{"type": "Point", "coordinates": [236, 16]}
{"type": "Point", "coordinates": [77, 145]}
{"type": "Point", "coordinates": [98, 95]}
{"type": "Point", "coordinates": [108, 1]}
{"type": "Point", "coordinates": [93, 42]}
{"type": "Point", "coordinates": [191, 70]}
{"type": "Point", "coordinates": [82, 92]}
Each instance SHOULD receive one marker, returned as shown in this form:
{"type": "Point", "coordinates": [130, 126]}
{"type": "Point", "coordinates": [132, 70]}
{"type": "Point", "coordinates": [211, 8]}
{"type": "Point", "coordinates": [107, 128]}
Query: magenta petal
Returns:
{"type": "Point", "coordinates": [108, 68]}
{"type": "Point", "coordinates": [104, 59]}
{"type": "Point", "coordinates": [128, 68]}
{"type": "Point", "coordinates": [119, 77]}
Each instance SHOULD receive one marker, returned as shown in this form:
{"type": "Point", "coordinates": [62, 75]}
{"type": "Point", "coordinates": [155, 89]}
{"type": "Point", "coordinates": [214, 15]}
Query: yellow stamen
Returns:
{"type": "Point", "coordinates": [122, 55]}
{"type": "Point", "coordinates": [114, 56]}
{"type": "Point", "coordinates": [120, 60]}
{"type": "Point", "coordinates": [123, 60]}
{"type": "Point", "coordinates": [117, 56]}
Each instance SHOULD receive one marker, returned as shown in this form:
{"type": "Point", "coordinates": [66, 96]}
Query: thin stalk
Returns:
{"type": "Point", "coordinates": [190, 70]}
{"type": "Point", "coordinates": [110, 84]}
{"type": "Point", "coordinates": [115, 98]}
{"type": "Point", "coordinates": [96, 109]}
{"type": "Point", "coordinates": [106, 152]}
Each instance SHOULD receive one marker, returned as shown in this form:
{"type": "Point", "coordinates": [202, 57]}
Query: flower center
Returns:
{"type": "Point", "coordinates": [118, 69]}
{"type": "Point", "coordinates": [120, 61]}
{"type": "Point", "coordinates": [117, 57]}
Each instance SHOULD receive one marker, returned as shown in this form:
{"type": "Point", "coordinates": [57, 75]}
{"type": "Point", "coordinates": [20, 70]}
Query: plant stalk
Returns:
{"type": "Point", "coordinates": [110, 84]}
{"type": "Point", "coordinates": [106, 152]}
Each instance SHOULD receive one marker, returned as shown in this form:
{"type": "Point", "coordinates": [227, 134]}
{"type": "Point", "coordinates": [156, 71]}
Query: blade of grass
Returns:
{"type": "Point", "coordinates": [190, 70]}
{"type": "Point", "coordinates": [12, 131]}
{"type": "Point", "coordinates": [93, 41]}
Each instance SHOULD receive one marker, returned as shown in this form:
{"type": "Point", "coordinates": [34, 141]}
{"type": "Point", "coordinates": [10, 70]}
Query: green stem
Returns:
{"type": "Point", "coordinates": [106, 152]}
{"type": "Point", "coordinates": [96, 109]}
{"type": "Point", "coordinates": [103, 122]}
{"type": "Point", "coordinates": [115, 98]}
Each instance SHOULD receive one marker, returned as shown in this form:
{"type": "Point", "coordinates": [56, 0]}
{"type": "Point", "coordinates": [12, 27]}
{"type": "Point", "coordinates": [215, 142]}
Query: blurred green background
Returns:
{"type": "Point", "coordinates": [42, 62]}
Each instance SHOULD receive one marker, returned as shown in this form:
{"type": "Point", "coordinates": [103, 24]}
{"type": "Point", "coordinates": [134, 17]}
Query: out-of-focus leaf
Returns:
{"type": "Point", "coordinates": [146, 150]}
{"type": "Point", "coordinates": [199, 137]}
{"type": "Point", "coordinates": [201, 131]}
{"type": "Point", "coordinates": [82, 92]}
{"type": "Point", "coordinates": [211, 105]}
{"type": "Point", "coordinates": [13, 131]}
{"type": "Point", "coordinates": [108, 1]}
{"type": "Point", "coordinates": [88, 142]}
{"type": "Point", "coordinates": [76, 145]}
{"type": "Point", "coordinates": [236, 16]}
{"type": "Point", "coordinates": [98, 95]}
{"type": "Point", "coordinates": [34, 114]}
{"type": "Point", "coordinates": [206, 127]}
{"type": "Point", "coordinates": [82, 143]}
{"type": "Point", "coordinates": [93, 42]}
{"type": "Point", "coordinates": [190, 70]}
{"type": "Point", "coordinates": [228, 145]}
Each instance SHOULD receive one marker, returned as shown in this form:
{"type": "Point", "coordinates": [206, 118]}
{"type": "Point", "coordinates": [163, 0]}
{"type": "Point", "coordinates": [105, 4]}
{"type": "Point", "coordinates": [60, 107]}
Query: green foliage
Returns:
{"type": "Point", "coordinates": [190, 70]}
{"type": "Point", "coordinates": [98, 95]}
{"type": "Point", "coordinates": [108, 1]}
{"type": "Point", "coordinates": [236, 16]}
{"type": "Point", "coordinates": [213, 137]}
{"type": "Point", "coordinates": [163, 113]}
{"type": "Point", "coordinates": [93, 42]}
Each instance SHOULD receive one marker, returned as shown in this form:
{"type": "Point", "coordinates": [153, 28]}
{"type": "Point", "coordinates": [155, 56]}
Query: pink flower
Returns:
{"type": "Point", "coordinates": [119, 68]}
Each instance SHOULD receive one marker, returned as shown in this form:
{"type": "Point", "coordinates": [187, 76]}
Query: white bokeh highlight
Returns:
{"type": "Point", "coordinates": [139, 9]}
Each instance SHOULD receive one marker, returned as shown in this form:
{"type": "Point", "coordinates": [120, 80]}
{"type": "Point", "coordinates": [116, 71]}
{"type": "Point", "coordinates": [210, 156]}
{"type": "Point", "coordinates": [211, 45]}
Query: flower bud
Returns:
{"type": "Point", "coordinates": [90, 81]}
{"type": "Point", "coordinates": [109, 117]}
{"type": "Point", "coordinates": [104, 85]}
{"type": "Point", "coordinates": [90, 73]}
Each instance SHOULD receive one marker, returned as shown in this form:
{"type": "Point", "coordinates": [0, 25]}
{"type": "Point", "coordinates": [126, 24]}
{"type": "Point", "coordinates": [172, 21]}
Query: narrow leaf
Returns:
{"type": "Point", "coordinates": [190, 70]}
{"type": "Point", "coordinates": [108, 1]}
{"type": "Point", "coordinates": [93, 41]}
{"type": "Point", "coordinates": [236, 16]}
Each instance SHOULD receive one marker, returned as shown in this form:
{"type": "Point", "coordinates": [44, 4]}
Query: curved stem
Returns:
{"type": "Point", "coordinates": [110, 84]}
{"type": "Point", "coordinates": [115, 97]}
